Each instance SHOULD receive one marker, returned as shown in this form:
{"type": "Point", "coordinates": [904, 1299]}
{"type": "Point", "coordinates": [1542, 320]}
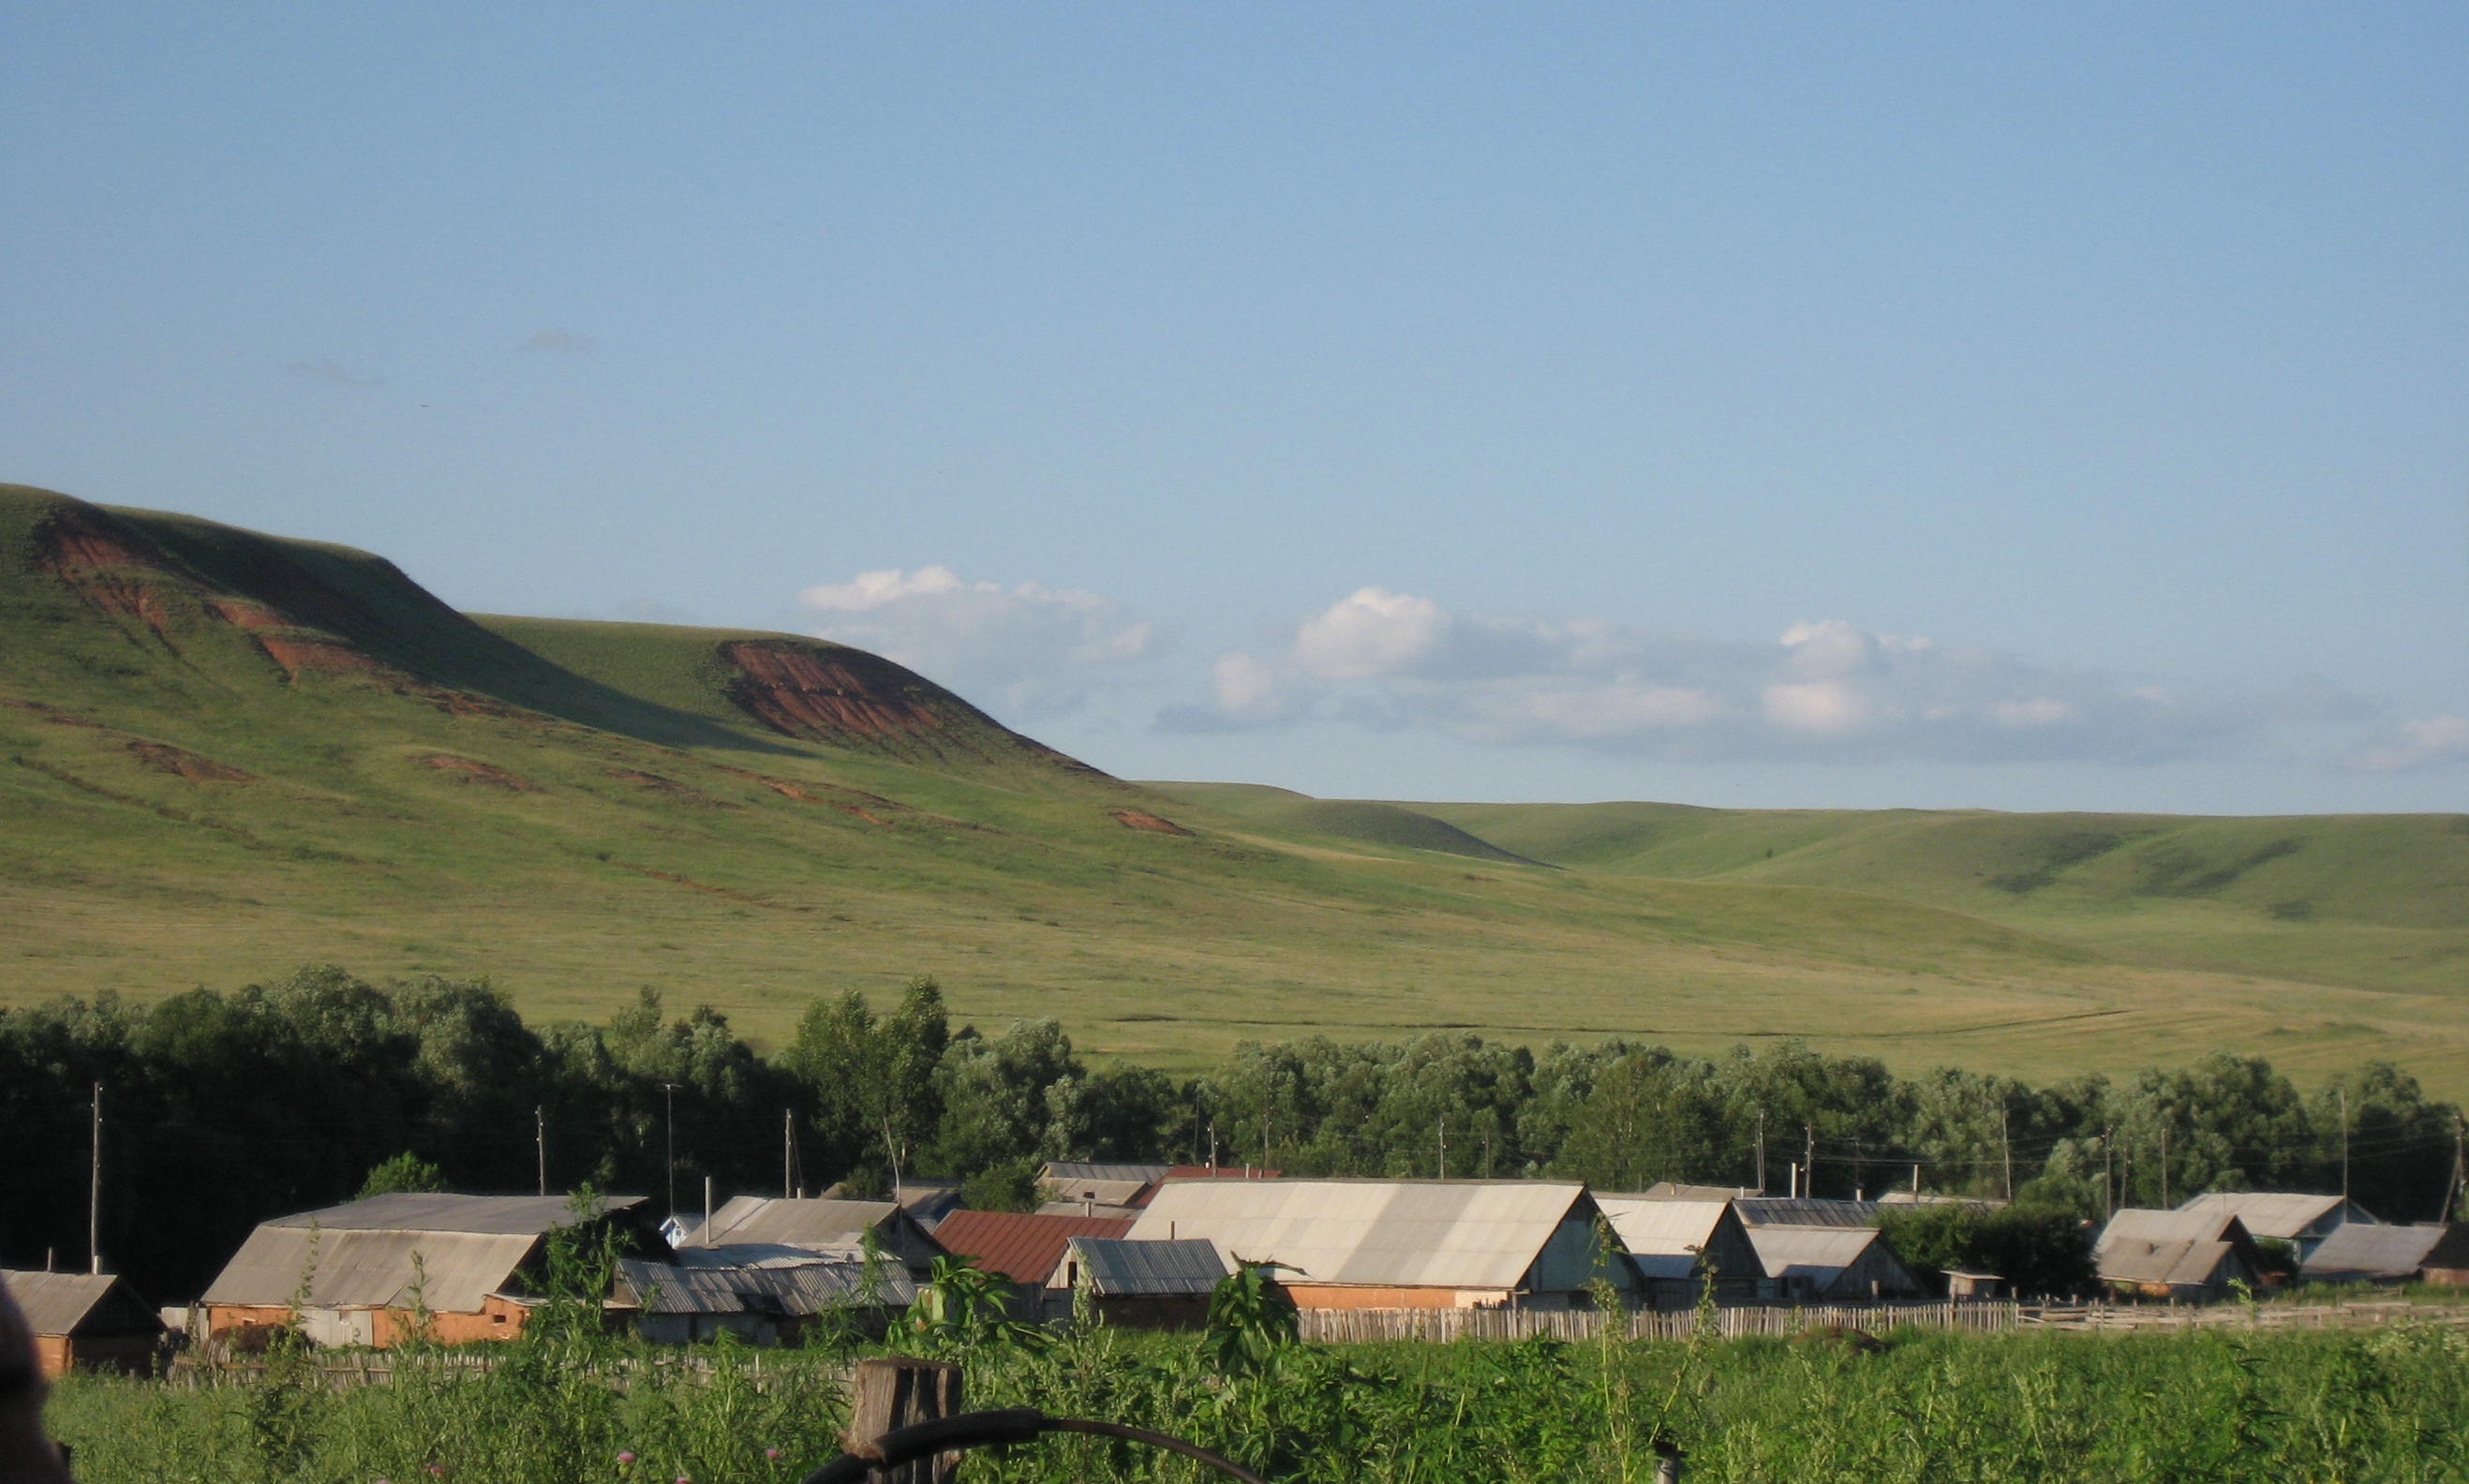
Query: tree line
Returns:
{"type": "Point", "coordinates": [219, 1110]}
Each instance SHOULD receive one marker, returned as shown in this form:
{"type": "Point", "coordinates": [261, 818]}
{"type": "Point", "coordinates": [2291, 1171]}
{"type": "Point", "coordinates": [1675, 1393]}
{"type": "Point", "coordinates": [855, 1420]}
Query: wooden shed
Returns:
{"type": "Point", "coordinates": [1679, 1241]}
{"type": "Point", "coordinates": [85, 1321]}
{"type": "Point", "coordinates": [2189, 1255]}
{"type": "Point", "coordinates": [829, 1229]}
{"type": "Point", "coordinates": [1140, 1284]}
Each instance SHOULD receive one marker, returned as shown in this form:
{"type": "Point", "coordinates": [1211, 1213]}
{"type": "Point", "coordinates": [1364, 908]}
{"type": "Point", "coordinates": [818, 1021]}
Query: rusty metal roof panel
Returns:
{"type": "Point", "coordinates": [1463, 1234]}
{"type": "Point", "coordinates": [1021, 1247]}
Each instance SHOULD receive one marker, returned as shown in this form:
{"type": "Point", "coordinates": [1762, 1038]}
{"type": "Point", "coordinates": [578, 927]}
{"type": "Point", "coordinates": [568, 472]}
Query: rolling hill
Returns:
{"type": "Point", "coordinates": [222, 754]}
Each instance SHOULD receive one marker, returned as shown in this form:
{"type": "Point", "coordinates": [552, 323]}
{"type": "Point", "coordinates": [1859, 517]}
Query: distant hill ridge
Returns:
{"type": "Point", "coordinates": [199, 589]}
{"type": "Point", "coordinates": [225, 754]}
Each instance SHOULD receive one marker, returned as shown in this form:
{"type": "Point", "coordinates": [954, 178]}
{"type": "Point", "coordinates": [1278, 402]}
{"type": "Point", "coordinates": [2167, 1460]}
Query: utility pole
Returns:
{"type": "Point", "coordinates": [2345, 1143]}
{"type": "Point", "coordinates": [787, 1137]}
{"type": "Point", "coordinates": [2006, 1142]}
{"type": "Point", "coordinates": [1444, 1145]}
{"type": "Point", "coordinates": [1809, 1168]}
{"type": "Point", "coordinates": [1213, 1146]}
{"type": "Point", "coordinates": [670, 1088]}
{"type": "Point", "coordinates": [2452, 1187]}
{"type": "Point", "coordinates": [94, 1191]}
{"type": "Point", "coordinates": [540, 1143]}
{"type": "Point", "coordinates": [1916, 1183]}
{"type": "Point", "coordinates": [2107, 1174]}
{"type": "Point", "coordinates": [2164, 1167]}
{"type": "Point", "coordinates": [1761, 1152]}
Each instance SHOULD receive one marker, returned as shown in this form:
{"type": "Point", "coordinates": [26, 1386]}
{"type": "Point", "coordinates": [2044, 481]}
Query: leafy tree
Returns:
{"type": "Point", "coordinates": [405, 1171]}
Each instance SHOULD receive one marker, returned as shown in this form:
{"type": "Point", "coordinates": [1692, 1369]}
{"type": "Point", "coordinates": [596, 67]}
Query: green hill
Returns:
{"type": "Point", "coordinates": [223, 754]}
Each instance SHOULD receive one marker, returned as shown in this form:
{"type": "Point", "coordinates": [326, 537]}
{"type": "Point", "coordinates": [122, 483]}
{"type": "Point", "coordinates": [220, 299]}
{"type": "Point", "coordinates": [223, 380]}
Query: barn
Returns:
{"type": "Point", "coordinates": [84, 1321]}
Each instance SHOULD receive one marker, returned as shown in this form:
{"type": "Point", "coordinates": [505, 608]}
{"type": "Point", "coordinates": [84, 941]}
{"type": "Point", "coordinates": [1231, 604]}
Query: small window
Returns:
{"type": "Point", "coordinates": [496, 1319]}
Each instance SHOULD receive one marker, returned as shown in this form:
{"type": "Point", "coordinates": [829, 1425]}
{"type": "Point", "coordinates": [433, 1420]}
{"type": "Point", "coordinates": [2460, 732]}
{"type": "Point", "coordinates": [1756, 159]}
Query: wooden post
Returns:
{"type": "Point", "coordinates": [896, 1393]}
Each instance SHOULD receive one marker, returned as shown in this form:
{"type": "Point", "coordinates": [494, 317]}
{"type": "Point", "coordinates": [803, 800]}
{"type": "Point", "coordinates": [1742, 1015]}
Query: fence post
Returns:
{"type": "Point", "coordinates": [896, 1393]}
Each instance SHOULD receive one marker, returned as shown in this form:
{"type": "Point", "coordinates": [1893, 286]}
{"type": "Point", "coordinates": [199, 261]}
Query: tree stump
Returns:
{"type": "Point", "coordinates": [896, 1393]}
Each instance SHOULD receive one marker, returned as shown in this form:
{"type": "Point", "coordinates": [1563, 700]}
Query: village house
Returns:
{"type": "Point", "coordinates": [1832, 1262]}
{"type": "Point", "coordinates": [2355, 1253]}
{"type": "Point", "coordinates": [1676, 1241]}
{"type": "Point", "coordinates": [372, 1271]}
{"type": "Point", "coordinates": [84, 1321]}
{"type": "Point", "coordinates": [1140, 1284]}
{"type": "Point", "coordinates": [2191, 1256]}
{"type": "Point", "coordinates": [1023, 1250]}
{"type": "Point", "coordinates": [2303, 1220]}
{"type": "Point", "coordinates": [773, 1300]}
{"type": "Point", "coordinates": [1403, 1244]}
{"type": "Point", "coordinates": [846, 1229]}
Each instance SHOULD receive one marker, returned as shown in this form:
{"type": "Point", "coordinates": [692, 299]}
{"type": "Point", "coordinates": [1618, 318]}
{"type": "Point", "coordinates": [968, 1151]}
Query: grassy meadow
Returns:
{"type": "Point", "coordinates": [223, 755]}
{"type": "Point", "coordinates": [2387, 1406]}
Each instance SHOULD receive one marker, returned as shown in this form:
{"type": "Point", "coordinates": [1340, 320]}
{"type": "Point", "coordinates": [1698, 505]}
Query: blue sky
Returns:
{"type": "Point", "coordinates": [1774, 405]}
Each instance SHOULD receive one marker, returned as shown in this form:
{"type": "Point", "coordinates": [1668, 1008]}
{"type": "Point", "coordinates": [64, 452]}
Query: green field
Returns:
{"type": "Point", "coordinates": [225, 754]}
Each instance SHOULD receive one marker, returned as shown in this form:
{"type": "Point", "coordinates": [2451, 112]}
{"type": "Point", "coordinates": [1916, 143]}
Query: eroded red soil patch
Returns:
{"type": "Point", "coordinates": [164, 758]}
{"type": "Point", "coordinates": [112, 572]}
{"type": "Point", "coordinates": [473, 770]}
{"type": "Point", "coordinates": [806, 692]}
{"type": "Point", "coordinates": [1142, 819]}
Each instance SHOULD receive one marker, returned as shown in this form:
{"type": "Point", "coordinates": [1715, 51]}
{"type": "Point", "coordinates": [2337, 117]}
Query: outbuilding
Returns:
{"type": "Point", "coordinates": [1404, 1244]}
{"type": "Point", "coordinates": [84, 1321]}
{"type": "Point", "coordinates": [828, 1228]}
{"type": "Point", "coordinates": [1021, 1248]}
{"type": "Point", "coordinates": [1140, 1284]}
{"type": "Point", "coordinates": [2193, 1256]}
{"type": "Point", "coordinates": [2359, 1253]}
{"type": "Point", "coordinates": [373, 1272]}
{"type": "Point", "coordinates": [2303, 1221]}
{"type": "Point", "coordinates": [1677, 1241]}
{"type": "Point", "coordinates": [771, 1301]}
{"type": "Point", "coordinates": [1841, 1263]}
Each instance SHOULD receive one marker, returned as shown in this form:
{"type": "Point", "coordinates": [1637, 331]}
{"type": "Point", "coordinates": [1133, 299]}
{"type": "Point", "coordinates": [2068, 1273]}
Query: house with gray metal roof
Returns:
{"type": "Point", "coordinates": [2355, 1253]}
{"type": "Point", "coordinates": [832, 1228]}
{"type": "Point", "coordinates": [370, 1273]}
{"type": "Point", "coordinates": [770, 1302]}
{"type": "Point", "coordinates": [1403, 1244]}
{"type": "Point", "coordinates": [2302, 1220]}
{"type": "Point", "coordinates": [1677, 1241]}
{"type": "Point", "coordinates": [1853, 1263]}
{"type": "Point", "coordinates": [84, 1321]}
{"type": "Point", "coordinates": [2191, 1255]}
{"type": "Point", "coordinates": [1139, 1285]}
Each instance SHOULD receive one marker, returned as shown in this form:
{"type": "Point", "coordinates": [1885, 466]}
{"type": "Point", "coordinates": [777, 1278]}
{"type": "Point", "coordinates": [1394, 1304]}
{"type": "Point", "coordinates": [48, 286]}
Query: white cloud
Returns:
{"type": "Point", "coordinates": [1025, 650]}
{"type": "Point", "coordinates": [1825, 689]}
{"type": "Point", "coordinates": [1374, 632]}
{"type": "Point", "coordinates": [2428, 742]}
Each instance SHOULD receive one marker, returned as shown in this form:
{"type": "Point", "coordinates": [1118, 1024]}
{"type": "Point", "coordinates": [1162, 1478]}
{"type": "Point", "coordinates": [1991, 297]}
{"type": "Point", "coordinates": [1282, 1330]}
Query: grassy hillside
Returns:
{"type": "Point", "coordinates": [222, 754]}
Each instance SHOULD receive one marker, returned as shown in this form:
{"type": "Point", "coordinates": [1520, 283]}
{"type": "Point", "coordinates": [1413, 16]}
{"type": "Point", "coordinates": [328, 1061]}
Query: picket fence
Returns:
{"type": "Point", "coordinates": [1732, 1321]}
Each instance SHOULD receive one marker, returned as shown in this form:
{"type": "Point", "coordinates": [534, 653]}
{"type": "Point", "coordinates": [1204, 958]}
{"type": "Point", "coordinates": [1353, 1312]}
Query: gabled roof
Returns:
{"type": "Point", "coordinates": [421, 1211]}
{"type": "Point", "coordinates": [795, 1289]}
{"type": "Point", "coordinates": [2358, 1252]}
{"type": "Point", "coordinates": [1666, 1236]}
{"type": "Point", "coordinates": [1068, 1171]}
{"type": "Point", "coordinates": [2176, 1263]}
{"type": "Point", "coordinates": [1818, 1253]}
{"type": "Point", "coordinates": [1462, 1234]}
{"type": "Point", "coordinates": [796, 1223]}
{"type": "Point", "coordinates": [1115, 1267]}
{"type": "Point", "coordinates": [2280, 1214]}
{"type": "Point", "coordinates": [2151, 1227]}
{"type": "Point", "coordinates": [1802, 1211]}
{"type": "Point", "coordinates": [1021, 1247]}
{"type": "Point", "coordinates": [77, 1303]}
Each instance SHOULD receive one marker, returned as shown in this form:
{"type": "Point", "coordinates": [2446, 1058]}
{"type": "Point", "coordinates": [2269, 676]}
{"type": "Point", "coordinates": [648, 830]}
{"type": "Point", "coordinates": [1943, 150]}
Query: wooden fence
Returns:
{"type": "Point", "coordinates": [2128, 1319]}
{"type": "Point", "coordinates": [1732, 1321]}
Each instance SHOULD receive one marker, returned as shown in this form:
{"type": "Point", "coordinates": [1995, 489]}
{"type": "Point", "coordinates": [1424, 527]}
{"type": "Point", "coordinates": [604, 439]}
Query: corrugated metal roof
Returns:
{"type": "Point", "coordinates": [444, 1212]}
{"type": "Point", "coordinates": [66, 1303]}
{"type": "Point", "coordinates": [2176, 1263]}
{"type": "Point", "coordinates": [350, 1268]}
{"type": "Point", "coordinates": [1664, 1235]}
{"type": "Point", "coordinates": [2150, 1228]}
{"type": "Point", "coordinates": [1068, 1171]}
{"type": "Point", "coordinates": [804, 1289]}
{"type": "Point", "coordinates": [1462, 1234]}
{"type": "Point", "coordinates": [2357, 1252]}
{"type": "Point", "coordinates": [798, 1223]}
{"type": "Point", "coordinates": [1115, 1267]}
{"type": "Point", "coordinates": [2278, 1214]}
{"type": "Point", "coordinates": [1016, 1246]}
{"type": "Point", "coordinates": [1802, 1211]}
{"type": "Point", "coordinates": [1818, 1253]}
